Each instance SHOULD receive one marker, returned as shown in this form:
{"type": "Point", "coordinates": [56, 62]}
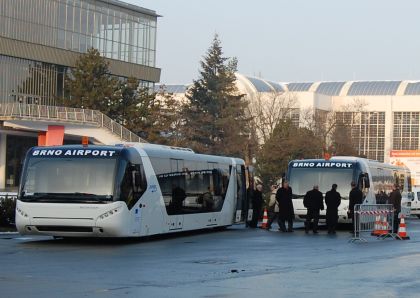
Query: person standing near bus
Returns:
{"type": "Point", "coordinates": [257, 202]}
{"type": "Point", "coordinates": [313, 201]}
{"type": "Point", "coordinates": [395, 200]}
{"type": "Point", "coordinates": [286, 211]}
{"type": "Point", "coordinates": [355, 197]}
{"type": "Point", "coordinates": [332, 200]}
{"type": "Point", "coordinates": [273, 207]}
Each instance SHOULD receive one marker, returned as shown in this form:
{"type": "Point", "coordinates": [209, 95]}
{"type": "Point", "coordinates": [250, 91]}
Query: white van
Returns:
{"type": "Point", "coordinates": [415, 202]}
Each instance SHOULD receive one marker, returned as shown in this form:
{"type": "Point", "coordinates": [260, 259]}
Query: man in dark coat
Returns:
{"type": "Point", "coordinates": [395, 200]}
{"type": "Point", "coordinates": [314, 202]}
{"type": "Point", "coordinates": [257, 202]}
{"type": "Point", "coordinates": [286, 211]}
{"type": "Point", "coordinates": [355, 197]}
{"type": "Point", "coordinates": [178, 197]}
{"type": "Point", "coordinates": [332, 200]}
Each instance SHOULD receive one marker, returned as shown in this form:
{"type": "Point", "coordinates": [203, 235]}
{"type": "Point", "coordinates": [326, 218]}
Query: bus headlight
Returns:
{"type": "Point", "coordinates": [21, 212]}
{"type": "Point", "coordinates": [109, 213]}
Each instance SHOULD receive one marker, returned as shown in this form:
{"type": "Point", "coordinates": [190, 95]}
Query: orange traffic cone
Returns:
{"type": "Point", "coordinates": [382, 226]}
{"type": "Point", "coordinates": [265, 219]}
{"type": "Point", "coordinates": [402, 230]}
{"type": "Point", "coordinates": [378, 226]}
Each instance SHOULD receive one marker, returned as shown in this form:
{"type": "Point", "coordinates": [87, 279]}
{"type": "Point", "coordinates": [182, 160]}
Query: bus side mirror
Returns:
{"type": "Point", "coordinates": [137, 179]}
{"type": "Point", "coordinates": [366, 181]}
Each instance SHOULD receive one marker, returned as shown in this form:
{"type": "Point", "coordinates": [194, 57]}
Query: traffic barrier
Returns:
{"type": "Point", "coordinates": [265, 220]}
{"type": "Point", "coordinates": [375, 219]}
{"type": "Point", "coordinates": [402, 230]}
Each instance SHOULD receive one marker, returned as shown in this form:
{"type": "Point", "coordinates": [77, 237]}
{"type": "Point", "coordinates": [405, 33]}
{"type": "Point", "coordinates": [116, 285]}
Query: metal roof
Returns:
{"type": "Point", "coordinates": [296, 87]}
{"type": "Point", "coordinates": [276, 86]}
{"type": "Point", "coordinates": [412, 89]}
{"type": "Point", "coordinates": [260, 85]}
{"type": "Point", "coordinates": [330, 88]}
{"type": "Point", "coordinates": [374, 88]}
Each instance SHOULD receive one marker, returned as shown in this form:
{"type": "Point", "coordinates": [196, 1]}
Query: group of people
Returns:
{"type": "Point", "coordinates": [281, 206]}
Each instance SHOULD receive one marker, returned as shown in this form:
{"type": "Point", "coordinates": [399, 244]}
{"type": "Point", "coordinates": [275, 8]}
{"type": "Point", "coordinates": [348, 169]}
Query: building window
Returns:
{"type": "Point", "coordinates": [122, 31]}
{"type": "Point", "coordinates": [405, 131]}
{"type": "Point", "coordinates": [368, 132]}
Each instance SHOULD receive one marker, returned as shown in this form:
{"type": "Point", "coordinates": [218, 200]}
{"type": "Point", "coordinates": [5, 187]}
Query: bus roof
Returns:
{"type": "Point", "coordinates": [349, 159]}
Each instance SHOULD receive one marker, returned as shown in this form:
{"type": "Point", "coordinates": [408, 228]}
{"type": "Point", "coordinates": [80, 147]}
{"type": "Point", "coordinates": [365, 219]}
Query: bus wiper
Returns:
{"type": "Point", "coordinates": [73, 196]}
{"type": "Point", "coordinates": [91, 195]}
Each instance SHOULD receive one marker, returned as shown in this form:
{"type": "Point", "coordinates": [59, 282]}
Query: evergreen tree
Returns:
{"type": "Point", "coordinates": [90, 85]}
{"type": "Point", "coordinates": [215, 120]}
{"type": "Point", "coordinates": [151, 115]}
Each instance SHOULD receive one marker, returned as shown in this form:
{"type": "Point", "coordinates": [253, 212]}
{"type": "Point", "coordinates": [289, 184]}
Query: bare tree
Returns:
{"type": "Point", "coordinates": [268, 110]}
{"type": "Point", "coordinates": [334, 127]}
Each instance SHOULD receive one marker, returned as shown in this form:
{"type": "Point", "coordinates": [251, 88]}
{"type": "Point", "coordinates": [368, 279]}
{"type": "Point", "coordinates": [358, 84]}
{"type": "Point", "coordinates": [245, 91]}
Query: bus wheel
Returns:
{"type": "Point", "coordinates": [418, 216]}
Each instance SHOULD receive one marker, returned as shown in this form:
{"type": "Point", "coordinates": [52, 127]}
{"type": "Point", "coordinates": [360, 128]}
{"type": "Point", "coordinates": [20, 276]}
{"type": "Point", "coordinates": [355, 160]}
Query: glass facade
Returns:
{"type": "Point", "coordinates": [16, 148]}
{"type": "Point", "coordinates": [31, 82]}
{"type": "Point", "coordinates": [368, 132]}
{"type": "Point", "coordinates": [406, 131]}
{"type": "Point", "coordinates": [77, 25]}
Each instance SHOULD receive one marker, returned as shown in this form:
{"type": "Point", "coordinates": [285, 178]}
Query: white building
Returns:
{"type": "Point", "coordinates": [387, 126]}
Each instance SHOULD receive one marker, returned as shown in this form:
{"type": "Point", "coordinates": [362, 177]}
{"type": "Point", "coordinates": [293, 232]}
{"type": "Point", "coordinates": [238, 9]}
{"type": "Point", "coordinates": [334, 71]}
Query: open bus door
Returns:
{"type": "Point", "coordinates": [250, 186]}
{"type": "Point", "coordinates": [245, 190]}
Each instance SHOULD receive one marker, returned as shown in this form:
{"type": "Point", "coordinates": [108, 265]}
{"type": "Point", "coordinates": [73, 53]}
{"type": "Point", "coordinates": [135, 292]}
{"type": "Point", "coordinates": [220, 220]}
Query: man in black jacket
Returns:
{"type": "Point", "coordinates": [332, 200]}
{"type": "Point", "coordinates": [313, 201]}
{"type": "Point", "coordinates": [257, 202]}
{"type": "Point", "coordinates": [286, 211]}
{"type": "Point", "coordinates": [395, 200]}
{"type": "Point", "coordinates": [355, 197]}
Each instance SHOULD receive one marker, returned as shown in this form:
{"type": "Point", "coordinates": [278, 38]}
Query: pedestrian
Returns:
{"type": "Point", "coordinates": [313, 201]}
{"type": "Point", "coordinates": [332, 200]}
{"type": "Point", "coordinates": [286, 211]}
{"type": "Point", "coordinates": [381, 198]}
{"type": "Point", "coordinates": [355, 197]}
{"type": "Point", "coordinates": [257, 202]}
{"type": "Point", "coordinates": [273, 207]}
{"type": "Point", "coordinates": [395, 200]}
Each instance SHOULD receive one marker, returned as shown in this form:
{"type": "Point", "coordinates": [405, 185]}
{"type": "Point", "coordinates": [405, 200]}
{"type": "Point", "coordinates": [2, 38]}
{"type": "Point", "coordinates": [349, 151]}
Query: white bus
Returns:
{"type": "Point", "coordinates": [128, 190]}
{"type": "Point", "coordinates": [375, 179]}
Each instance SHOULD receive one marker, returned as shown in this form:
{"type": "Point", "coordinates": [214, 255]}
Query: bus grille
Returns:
{"type": "Point", "coordinates": [64, 229]}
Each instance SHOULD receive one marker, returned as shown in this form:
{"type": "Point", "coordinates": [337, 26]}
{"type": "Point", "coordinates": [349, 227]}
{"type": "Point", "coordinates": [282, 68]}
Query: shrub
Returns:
{"type": "Point", "coordinates": [7, 211]}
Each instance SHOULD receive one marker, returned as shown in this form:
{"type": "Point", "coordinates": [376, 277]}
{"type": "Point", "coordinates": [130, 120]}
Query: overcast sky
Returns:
{"type": "Point", "coordinates": [293, 40]}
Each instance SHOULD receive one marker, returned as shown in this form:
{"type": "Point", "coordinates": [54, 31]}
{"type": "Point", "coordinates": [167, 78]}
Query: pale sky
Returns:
{"type": "Point", "coordinates": [293, 40]}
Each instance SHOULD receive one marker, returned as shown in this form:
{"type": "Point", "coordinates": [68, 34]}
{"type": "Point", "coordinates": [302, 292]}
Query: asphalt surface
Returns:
{"type": "Point", "coordinates": [237, 262]}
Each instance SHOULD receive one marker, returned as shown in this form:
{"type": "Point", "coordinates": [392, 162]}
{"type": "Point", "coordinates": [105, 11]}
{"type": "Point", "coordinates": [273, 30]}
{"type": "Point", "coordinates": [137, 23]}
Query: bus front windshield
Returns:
{"type": "Point", "coordinates": [68, 180]}
{"type": "Point", "coordinates": [303, 179]}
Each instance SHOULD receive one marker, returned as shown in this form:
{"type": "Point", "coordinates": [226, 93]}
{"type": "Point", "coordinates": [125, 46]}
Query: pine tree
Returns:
{"type": "Point", "coordinates": [90, 85]}
{"type": "Point", "coordinates": [215, 114]}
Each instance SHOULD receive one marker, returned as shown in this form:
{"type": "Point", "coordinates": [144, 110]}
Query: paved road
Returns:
{"type": "Point", "coordinates": [234, 263]}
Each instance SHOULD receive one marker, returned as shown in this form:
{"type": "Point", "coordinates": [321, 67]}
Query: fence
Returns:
{"type": "Point", "coordinates": [65, 114]}
{"type": "Point", "coordinates": [373, 220]}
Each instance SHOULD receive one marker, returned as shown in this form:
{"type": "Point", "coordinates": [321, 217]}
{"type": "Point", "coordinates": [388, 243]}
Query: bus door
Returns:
{"type": "Point", "coordinates": [249, 192]}
{"type": "Point", "coordinates": [176, 221]}
{"type": "Point", "coordinates": [241, 199]}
